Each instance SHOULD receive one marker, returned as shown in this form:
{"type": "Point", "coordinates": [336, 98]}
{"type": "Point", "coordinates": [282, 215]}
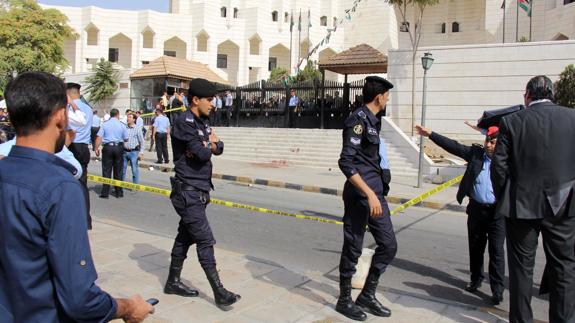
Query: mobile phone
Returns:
{"type": "Point", "coordinates": [153, 301]}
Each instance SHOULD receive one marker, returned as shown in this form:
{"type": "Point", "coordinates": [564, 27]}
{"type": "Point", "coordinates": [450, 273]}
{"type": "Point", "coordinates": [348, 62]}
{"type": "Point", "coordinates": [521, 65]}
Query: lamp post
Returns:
{"type": "Point", "coordinates": [426, 61]}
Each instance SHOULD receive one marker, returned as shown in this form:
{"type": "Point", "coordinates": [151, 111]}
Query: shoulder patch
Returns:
{"type": "Point", "coordinates": [355, 141]}
{"type": "Point", "coordinates": [362, 114]}
{"type": "Point", "coordinates": [358, 129]}
{"type": "Point", "coordinates": [191, 120]}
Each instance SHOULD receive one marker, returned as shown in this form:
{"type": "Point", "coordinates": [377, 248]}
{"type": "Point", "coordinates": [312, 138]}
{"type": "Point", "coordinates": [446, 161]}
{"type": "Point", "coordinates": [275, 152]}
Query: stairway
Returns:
{"type": "Point", "coordinates": [318, 148]}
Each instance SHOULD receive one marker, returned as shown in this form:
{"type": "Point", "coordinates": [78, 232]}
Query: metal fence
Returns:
{"type": "Point", "coordinates": [266, 104]}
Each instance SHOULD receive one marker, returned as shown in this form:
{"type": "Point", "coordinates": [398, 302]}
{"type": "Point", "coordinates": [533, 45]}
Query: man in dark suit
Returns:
{"type": "Point", "coordinates": [483, 224]}
{"type": "Point", "coordinates": [533, 173]}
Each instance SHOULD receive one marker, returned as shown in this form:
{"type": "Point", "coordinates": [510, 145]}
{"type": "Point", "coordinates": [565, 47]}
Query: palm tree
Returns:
{"type": "Point", "coordinates": [103, 83]}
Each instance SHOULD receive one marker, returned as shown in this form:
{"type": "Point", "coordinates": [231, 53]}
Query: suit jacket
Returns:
{"type": "Point", "coordinates": [473, 155]}
{"type": "Point", "coordinates": [533, 168]}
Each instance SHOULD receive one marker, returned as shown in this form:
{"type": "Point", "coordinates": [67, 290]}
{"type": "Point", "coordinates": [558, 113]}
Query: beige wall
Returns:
{"type": "Point", "coordinates": [466, 80]}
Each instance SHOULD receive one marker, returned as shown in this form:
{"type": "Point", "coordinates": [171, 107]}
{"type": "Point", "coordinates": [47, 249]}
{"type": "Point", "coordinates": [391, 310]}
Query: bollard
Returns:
{"type": "Point", "coordinates": [362, 268]}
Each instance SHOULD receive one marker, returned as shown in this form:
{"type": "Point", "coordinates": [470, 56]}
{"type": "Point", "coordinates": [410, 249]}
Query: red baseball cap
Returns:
{"type": "Point", "coordinates": [492, 132]}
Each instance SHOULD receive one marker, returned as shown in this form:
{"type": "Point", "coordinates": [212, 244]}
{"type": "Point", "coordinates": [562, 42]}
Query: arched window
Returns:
{"type": "Point", "coordinates": [275, 16]}
{"type": "Point", "coordinates": [223, 12]}
{"type": "Point", "coordinates": [323, 21]}
{"type": "Point", "coordinates": [148, 38]}
{"type": "Point", "coordinates": [236, 12]}
{"type": "Point", "coordinates": [455, 27]}
{"type": "Point", "coordinates": [286, 17]}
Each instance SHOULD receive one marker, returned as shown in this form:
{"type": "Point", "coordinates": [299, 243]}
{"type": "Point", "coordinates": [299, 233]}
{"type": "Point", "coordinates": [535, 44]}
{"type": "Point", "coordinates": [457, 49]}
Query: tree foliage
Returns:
{"type": "Point", "coordinates": [565, 87]}
{"type": "Point", "coordinates": [309, 72]}
{"type": "Point", "coordinates": [104, 82]}
{"type": "Point", "coordinates": [278, 74]}
{"type": "Point", "coordinates": [31, 39]}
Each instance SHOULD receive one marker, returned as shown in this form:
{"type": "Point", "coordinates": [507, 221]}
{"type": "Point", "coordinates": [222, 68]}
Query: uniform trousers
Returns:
{"type": "Point", "coordinates": [194, 227]}
{"type": "Point", "coordinates": [483, 227]}
{"type": "Point", "coordinates": [162, 146]}
{"type": "Point", "coordinates": [356, 217]}
{"type": "Point", "coordinates": [93, 135]}
{"type": "Point", "coordinates": [112, 162]}
{"type": "Point", "coordinates": [82, 154]}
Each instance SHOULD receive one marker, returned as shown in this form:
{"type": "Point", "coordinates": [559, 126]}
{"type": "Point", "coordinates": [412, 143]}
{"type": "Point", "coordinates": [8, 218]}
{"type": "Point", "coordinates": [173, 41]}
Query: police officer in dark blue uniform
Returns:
{"type": "Point", "coordinates": [364, 162]}
{"type": "Point", "coordinates": [193, 144]}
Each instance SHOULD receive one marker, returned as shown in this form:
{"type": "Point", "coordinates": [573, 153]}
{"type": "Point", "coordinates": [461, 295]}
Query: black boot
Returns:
{"type": "Point", "coordinates": [345, 304]}
{"type": "Point", "coordinates": [174, 285]}
{"type": "Point", "coordinates": [222, 296]}
{"type": "Point", "coordinates": [366, 299]}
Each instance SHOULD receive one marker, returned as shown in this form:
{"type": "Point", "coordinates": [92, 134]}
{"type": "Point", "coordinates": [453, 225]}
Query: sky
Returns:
{"type": "Point", "coordinates": [158, 5]}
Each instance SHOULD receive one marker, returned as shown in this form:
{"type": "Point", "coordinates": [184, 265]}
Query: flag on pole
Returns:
{"type": "Point", "coordinates": [525, 5]}
{"type": "Point", "coordinates": [309, 18]}
{"type": "Point", "coordinates": [291, 22]}
{"type": "Point", "coordinates": [503, 5]}
{"type": "Point", "coordinates": [299, 22]}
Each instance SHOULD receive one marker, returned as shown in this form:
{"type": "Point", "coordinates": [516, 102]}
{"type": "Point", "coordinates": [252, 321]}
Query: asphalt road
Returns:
{"type": "Point", "coordinates": [432, 260]}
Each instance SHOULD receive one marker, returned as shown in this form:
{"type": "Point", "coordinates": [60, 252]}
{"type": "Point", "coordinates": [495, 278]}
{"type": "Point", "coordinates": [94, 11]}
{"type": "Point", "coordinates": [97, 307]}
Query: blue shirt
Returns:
{"type": "Point", "coordinates": [113, 131]}
{"type": "Point", "coordinates": [293, 101]}
{"type": "Point", "coordinates": [83, 133]}
{"type": "Point", "coordinates": [482, 188]}
{"type": "Point", "coordinates": [161, 124]}
{"type": "Point", "coordinates": [65, 155]}
{"type": "Point", "coordinates": [384, 162]}
{"type": "Point", "coordinates": [140, 122]}
{"type": "Point", "coordinates": [47, 272]}
{"type": "Point", "coordinates": [185, 101]}
{"type": "Point", "coordinates": [95, 121]}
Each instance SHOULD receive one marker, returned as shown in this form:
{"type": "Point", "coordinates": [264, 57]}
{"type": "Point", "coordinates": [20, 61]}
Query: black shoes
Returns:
{"type": "Point", "coordinates": [174, 285]}
{"type": "Point", "coordinates": [366, 299]}
{"type": "Point", "coordinates": [222, 296]}
{"type": "Point", "coordinates": [345, 305]}
{"type": "Point", "coordinates": [158, 162]}
{"type": "Point", "coordinates": [497, 298]}
{"type": "Point", "coordinates": [473, 286]}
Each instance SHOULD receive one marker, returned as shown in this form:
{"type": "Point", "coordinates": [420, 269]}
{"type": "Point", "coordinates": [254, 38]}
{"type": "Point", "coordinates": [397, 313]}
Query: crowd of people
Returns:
{"type": "Point", "coordinates": [519, 183]}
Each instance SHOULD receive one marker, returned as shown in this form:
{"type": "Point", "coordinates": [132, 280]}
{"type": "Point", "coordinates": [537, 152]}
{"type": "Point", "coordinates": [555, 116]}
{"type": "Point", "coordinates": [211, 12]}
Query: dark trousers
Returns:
{"type": "Point", "coordinates": [291, 116]}
{"type": "Point", "coordinates": [162, 147]}
{"type": "Point", "coordinates": [194, 227]}
{"type": "Point", "coordinates": [82, 154]}
{"type": "Point", "coordinates": [356, 217]}
{"type": "Point", "coordinates": [93, 135]}
{"type": "Point", "coordinates": [559, 245]}
{"type": "Point", "coordinates": [112, 162]}
{"type": "Point", "coordinates": [482, 228]}
{"type": "Point", "coordinates": [226, 116]}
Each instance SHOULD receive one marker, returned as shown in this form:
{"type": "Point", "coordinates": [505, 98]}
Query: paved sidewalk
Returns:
{"type": "Point", "coordinates": [130, 261]}
{"type": "Point", "coordinates": [327, 181]}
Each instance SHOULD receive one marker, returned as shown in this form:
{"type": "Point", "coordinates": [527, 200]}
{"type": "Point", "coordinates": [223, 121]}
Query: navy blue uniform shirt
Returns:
{"type": "Point", "coordinates": [360, 153]}
{"type": "Point", "coordinates": [192, 151]}
{"type": "Point", "coordinates": [46, 269]}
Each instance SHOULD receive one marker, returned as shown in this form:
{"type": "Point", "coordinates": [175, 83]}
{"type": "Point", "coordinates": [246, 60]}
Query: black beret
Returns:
{"type": "Point", "coordinates": [71, 85]}
{"type": "Point", "coordinates": [201, 88]}
{"type": "Point", "coordinates": [385, 83]}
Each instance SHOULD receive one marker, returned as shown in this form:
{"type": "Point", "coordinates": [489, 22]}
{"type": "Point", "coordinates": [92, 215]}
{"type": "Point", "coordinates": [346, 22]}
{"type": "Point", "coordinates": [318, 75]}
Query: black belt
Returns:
{"type": "Point", "coordinates": [79, 143]}
{"type": "Point", "coordinates": [131, 150]}
{"type": "Point", "coordinates": [178, 185]}
{"type": "Point", "coordinates": [114, 144]}
{"type": "Point", "coordinates": [483, 205]}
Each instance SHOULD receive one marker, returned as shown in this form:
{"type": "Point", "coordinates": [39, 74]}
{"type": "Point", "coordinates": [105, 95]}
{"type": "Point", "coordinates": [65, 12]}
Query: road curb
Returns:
{"type": "Point", "coordinates": [306, 188]}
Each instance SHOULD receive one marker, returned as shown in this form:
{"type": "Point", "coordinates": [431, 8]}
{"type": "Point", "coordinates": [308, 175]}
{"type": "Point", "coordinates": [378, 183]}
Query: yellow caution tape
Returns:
{"type": "Point", "coordinates": [151, 114]}
{"type": "Point", "coordinates": [427, 194]}
{"type": "Point", "coordinates": [165, 192]}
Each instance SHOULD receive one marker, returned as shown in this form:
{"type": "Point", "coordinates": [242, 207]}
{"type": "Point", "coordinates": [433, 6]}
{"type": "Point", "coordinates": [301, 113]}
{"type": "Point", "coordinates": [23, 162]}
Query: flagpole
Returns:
{"type": "Point", "coordinates": [517, 22]}
{"type": "Point", "coordinates": [530, 18]}
{"type": "Point", "coordinates": [291, 43]}
{"type": "Point", "coordinates": [299, 40]}
{"type": "Point", "coordinates": [504, 15]}
{"type": "Point", "coordinates": [308, 35]}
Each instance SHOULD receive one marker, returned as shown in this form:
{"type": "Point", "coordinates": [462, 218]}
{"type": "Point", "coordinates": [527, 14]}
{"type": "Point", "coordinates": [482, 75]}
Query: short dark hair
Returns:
{"type": "Point", "coordinates": [114, 112]}
{"type": "Point", "coordinates": [540, 87]}
{"type": "Point", "coordinates": [32, 99]}
{"type": "Point", "coordinates": [372, 89]}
